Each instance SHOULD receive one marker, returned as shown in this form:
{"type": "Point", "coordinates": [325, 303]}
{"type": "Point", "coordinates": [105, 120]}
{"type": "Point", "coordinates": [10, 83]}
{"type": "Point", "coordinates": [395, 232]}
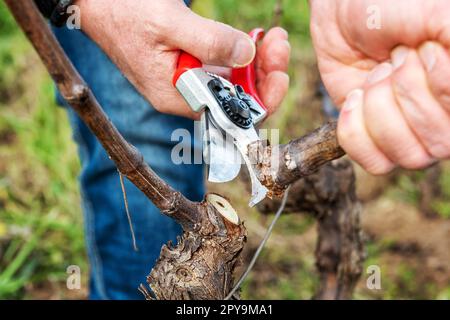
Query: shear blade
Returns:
{"type": "Point", "coordinates": [259, 192]}
{"type": "Point", "coordinates": [222, 157]}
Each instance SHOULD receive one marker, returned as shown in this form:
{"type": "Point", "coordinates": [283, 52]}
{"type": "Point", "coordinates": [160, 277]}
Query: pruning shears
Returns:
{"type": "Point", "coordinates": [230, 111]}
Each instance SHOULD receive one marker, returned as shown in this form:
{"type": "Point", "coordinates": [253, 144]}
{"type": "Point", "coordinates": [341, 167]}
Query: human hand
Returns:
{"type": "Point", "coordinates": [144, 38]}
{"type": "Point", "coordinates": [391, 82]}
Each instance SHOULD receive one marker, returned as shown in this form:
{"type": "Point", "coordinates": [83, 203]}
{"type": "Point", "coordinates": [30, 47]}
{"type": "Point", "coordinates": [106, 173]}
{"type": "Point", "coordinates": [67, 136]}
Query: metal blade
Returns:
{"type": "Point", "coordinates": [223, 159]}
{"type": "Point", "coordinates": [259, 192]}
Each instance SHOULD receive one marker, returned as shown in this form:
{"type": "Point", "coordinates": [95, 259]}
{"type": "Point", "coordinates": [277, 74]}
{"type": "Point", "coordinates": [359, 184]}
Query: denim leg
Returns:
{"type": "Point", "coordinates": [117, 270]}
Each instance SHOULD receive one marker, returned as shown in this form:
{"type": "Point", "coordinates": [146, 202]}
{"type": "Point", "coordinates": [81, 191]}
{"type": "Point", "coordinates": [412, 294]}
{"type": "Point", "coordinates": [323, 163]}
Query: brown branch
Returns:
{"type": "Point", "coordinates": [76, 92]}
{"type": "Point", "coordinates": [340, 250]}
{"type": "Point", "coordinates": [329, 195]}
{"type": "Point", "coordinates": [201, 264]}
{"type": "Point", "coordinates": [279, 166]}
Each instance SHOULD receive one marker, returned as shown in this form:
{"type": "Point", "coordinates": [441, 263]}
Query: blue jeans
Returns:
{"type": "Point", "coordinates": [116, 269]}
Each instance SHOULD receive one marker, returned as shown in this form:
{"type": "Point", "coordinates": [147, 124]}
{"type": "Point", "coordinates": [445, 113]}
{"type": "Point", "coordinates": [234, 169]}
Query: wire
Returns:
{"type": "Point", "coordinates": [261, 245]}
{"type": "Point", "coordinates": [125, 200]}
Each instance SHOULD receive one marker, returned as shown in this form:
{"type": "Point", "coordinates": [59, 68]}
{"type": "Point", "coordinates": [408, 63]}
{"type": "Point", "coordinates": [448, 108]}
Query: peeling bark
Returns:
{"type": "Point", "coordinates": [279, 166]}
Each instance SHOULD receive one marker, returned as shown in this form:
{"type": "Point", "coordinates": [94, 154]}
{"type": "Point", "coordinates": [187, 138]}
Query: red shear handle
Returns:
{"type": "Point", "coordinates": [246, 77]}
{"type": "Point", "coordinates": [186, 62]}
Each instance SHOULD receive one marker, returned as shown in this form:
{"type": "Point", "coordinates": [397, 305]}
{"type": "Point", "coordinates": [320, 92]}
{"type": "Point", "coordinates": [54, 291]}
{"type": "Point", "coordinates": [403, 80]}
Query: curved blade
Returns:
{"type": "Point", "coordinates": [259, 192]}
{"type": "Point", "coordinates": [222, 157]}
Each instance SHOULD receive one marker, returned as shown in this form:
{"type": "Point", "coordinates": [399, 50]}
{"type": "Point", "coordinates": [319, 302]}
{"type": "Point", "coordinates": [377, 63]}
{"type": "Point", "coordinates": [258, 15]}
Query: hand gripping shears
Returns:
{"type": "Point", "coordinates": [230, 111]}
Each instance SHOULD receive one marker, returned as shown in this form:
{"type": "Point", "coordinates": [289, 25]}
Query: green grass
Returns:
{"type": "Point", "coordinates": [444, 294]}
{"type": "Point", "coordinates": [39, 195]}
{"type": "Point", "coordinates": [286, 276]}
{"type": "Point", "coordinates": [41, 229]}
{"type": "Point", "coordinates": [407, 189]}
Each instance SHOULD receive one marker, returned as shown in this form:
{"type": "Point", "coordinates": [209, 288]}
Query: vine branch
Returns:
{"type": "Point", "coordinates": [75, 91]}
{"type": "Point", "coordinates": [279, 166]}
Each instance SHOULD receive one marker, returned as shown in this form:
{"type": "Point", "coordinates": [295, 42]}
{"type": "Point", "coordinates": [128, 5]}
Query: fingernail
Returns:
{"type": "Point", "coordinates": [380, 73]}
{"type": "Point", "coordinates": [244, 52]}
{"type": "Point", "coordinates": [427, 54]}
{"type": "Point", "coordinates": [354, 100]}
{"type": "Point", "coordinates": [399, 56]}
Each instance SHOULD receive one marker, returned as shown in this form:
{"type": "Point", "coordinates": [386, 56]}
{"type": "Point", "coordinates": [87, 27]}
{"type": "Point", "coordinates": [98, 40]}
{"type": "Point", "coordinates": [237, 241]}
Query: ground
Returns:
{"type": "Point", "coordinates": [405, 219]}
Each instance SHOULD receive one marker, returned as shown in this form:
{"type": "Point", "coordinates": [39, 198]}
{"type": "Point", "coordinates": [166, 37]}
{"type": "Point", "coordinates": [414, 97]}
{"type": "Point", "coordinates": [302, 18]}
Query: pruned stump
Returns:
{"type": "Point", "coordinates": [202, 263]}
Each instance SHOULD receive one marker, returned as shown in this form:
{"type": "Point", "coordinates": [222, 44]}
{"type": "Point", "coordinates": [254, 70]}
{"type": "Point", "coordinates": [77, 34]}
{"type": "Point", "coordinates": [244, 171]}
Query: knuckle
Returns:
{"type": "Point", "coordinates": [161, 29]}
{"type": "Point", "coordinates": [376, 165]}
{"type": "Point", "coordinates": [379, 169]}
{"type": "Point", "coordinates": [441, 91]}
{"type": "Point", "coordinates": [439, 85]}
{"type": "Point", "coordinates": [444, 98]}
{"type": "Point", "coordinates": [156, 23]}
{"type": "Point", "coordinates": [415, 160]}
{"type": "Point", "coordinates": [440, 150]}
{"type": "Point", "coordinates": [280, 56]}
{"type": "Point", "coordinates": [403, 88]}
{"type": "Point", "coordinates": [371, 160]}
{"type": "Point", "coordinates": [217, 50]}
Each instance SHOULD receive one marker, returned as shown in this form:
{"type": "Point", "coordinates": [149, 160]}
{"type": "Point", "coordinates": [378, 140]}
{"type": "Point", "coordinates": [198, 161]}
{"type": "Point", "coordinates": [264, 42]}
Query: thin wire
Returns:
{"type": "Point", "coordinates": [261, 245]}
{"type": "Point", "coordinates": [125, 200]}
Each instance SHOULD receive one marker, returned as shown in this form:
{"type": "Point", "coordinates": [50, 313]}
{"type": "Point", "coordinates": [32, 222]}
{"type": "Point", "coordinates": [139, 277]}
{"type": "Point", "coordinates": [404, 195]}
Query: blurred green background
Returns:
{"type": "Point", "coordinates": [406, 215]}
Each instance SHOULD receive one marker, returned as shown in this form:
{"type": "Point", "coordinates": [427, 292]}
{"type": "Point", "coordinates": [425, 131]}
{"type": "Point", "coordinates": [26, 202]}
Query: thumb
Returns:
{"type": "Point", "coordinates": [212, 42]}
